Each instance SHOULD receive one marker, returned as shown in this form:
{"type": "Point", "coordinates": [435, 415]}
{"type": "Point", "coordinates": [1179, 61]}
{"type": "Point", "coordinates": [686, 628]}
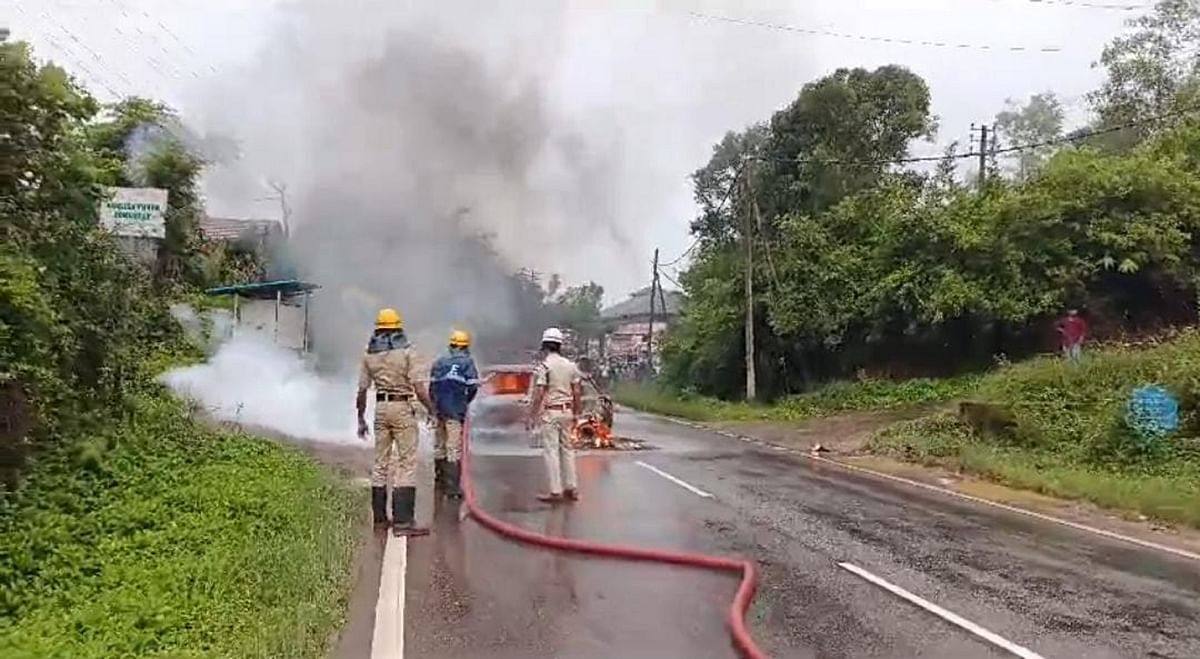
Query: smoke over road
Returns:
{"type": "Point", "coordinates": [432, 149]}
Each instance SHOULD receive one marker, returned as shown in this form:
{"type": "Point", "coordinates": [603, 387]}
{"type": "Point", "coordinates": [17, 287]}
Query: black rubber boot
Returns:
{"type": "Point", "coordinates": [454, 480]}
{"type": "Point", "coordinates": [404, 504]}
{"type": "Point", "coordinates": [379, 505]}
{"type": "Point", "coordinates": [439, 474]}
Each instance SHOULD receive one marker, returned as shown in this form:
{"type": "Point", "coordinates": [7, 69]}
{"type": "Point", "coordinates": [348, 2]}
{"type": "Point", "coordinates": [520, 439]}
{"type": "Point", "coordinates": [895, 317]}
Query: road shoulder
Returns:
{"type": "Point", "coordinates": [845, 437]}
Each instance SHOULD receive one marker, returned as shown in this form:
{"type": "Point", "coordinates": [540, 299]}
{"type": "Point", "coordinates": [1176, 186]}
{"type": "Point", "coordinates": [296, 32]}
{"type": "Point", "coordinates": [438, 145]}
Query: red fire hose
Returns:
{"type": "Point", "coordinates": [741, 601]}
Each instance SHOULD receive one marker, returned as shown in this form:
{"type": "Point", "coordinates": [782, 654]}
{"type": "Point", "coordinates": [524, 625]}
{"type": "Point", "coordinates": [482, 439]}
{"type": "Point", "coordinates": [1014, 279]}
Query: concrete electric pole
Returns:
{"type": "Point", "coordinates": [983, 154]}
{"type": "Point", "coordinates": [748, 237]}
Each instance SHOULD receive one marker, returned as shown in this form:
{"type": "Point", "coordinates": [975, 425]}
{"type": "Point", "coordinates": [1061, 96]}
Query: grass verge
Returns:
{"type": "Point", "coordinates": [164, 538]}
{"type": "Point", "coordinates": [831, 399]}
{"type": "Point", "coordinates": [1067, 436]}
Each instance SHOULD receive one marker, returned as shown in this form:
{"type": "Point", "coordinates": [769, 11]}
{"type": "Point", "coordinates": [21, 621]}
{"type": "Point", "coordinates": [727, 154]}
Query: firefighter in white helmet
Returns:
{"type": "Point", "coordinates": [552, 411]}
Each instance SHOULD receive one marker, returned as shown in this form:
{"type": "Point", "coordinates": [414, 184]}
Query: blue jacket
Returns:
{"type": "Point", "coordinates": [453, 383]}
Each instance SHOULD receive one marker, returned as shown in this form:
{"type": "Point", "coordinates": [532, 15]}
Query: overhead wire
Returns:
{"type": "Point", "coordinates": [171, 58]}
{"type": "Point", "coordinates": [669, 278]}
{"type": "Point", "coordinates": [902, 41]}
{"type": "Point", "coordinates": [1058, 141]}
{"type": "Point", "coordinates": [1069, 139]}
{"type": "Point", "coordinates": [79, 60]}
{"type": "Point", "coordinates": [737, 173]}
{"type": "Point", "coordinates": [1081, 4]}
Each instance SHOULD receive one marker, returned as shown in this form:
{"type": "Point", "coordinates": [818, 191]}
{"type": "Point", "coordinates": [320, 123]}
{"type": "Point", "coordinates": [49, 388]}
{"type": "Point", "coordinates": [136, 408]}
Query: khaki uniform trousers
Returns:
{"type": "Point", "coordinates": [395, 444]}
{"type": "Point", "coordinates": [447, 440]}
{"type": "Point", "coordinates": [557, 450]}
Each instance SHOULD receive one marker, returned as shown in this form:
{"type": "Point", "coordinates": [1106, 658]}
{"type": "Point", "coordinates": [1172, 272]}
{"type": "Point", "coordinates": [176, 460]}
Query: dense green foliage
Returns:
{"type": "Point", "coordinates": [861, 264]}
{"type": "Point", "coordinates": [830, 399]}
{"type": "Point", "coordinates": [75, 315]}
{"type": "Point", "coordinates": [126, 527]}
{"type": "Point", "coordinates": [1069, 436]}
{"type": "Point", "coordinates": [159, 538]}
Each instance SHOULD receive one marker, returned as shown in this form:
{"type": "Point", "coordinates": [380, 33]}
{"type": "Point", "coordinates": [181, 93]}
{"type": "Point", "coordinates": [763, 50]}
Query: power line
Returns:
{"type": "Point", "coordinates": [737, 173]}
{"type": "Point", "coordinates": [127, 12]}
{"type": "Point", "coordinates": [685, 254]}
{"type": "Point", "coordinates": [670, 278]}
{"type": "Point", "coordinates": [862, 37]}
{"type": "Point", "coordinates": [1058, 141]}
{"type": "Point", "coordinates": [1077, 4]}
{"type": "Point", "coordinates": [78, 60]}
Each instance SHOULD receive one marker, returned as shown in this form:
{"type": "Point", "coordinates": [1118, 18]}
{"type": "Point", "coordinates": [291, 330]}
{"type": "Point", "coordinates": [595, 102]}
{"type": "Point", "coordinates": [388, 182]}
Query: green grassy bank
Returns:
{"type": "Point", "coordinates": [1043, 425]}
{"type": "Point", "coordinates": [163, 538]}
{"type": "Point", "coordinates": [1059, 429]}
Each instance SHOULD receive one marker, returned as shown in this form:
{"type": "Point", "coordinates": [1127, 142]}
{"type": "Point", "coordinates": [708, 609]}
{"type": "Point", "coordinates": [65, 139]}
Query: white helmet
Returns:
{"type": "Point", "coordinates": [552, 335]}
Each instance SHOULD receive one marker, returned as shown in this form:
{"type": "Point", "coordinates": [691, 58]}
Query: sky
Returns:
{"type": "Point", "coordinates": [631, 95]}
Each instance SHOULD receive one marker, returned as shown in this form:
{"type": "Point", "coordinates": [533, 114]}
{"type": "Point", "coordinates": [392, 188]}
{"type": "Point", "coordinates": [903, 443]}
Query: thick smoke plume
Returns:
{"type": "Point", "coordinates": [432, 149]}
{"type": "Point", "coordinates": [425, 170]}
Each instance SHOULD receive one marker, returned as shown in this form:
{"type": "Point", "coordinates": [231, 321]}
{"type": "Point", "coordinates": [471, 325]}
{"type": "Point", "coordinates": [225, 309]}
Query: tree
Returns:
{"type": "Point", "coordinates": [1039, 120]}
{"type": "Point", "coordinates": [1153, 70]}
{"type": "Point", "coordinates": [75, 317]}
{"type": "Point", "coordinates": [140, 134]}
{"type": "Point", "coordinates": [579, 306]}
{"type": "Point", "coordinates": [715, 186]}
{"type": "Point", "coordinates": [865, 117]}
{"type": "Point", "coordinates": [865, 265]}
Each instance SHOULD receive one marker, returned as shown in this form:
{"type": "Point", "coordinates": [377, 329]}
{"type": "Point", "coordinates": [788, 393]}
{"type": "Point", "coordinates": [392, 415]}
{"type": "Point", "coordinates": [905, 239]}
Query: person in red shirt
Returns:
{"type": "Point", "coordinates": [1072, 331]}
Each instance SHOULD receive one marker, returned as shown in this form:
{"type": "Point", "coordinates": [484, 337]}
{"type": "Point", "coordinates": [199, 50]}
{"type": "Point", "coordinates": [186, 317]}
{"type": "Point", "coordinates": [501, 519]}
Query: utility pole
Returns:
{"type": "Point", "coordinates": [983, 154]}
{"type": "Point", "coordinates": [747, 235]}
{"type": "Point", "coordinates": [650, 330]}
{"type": "Point", "coordinates": [285, 211]}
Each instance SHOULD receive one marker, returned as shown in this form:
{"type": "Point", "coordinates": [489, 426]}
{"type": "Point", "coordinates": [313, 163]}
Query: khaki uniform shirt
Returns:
{"type": "Point", "coordinates": [557, 374]}
{"type": "Point", "coordinates": [398, 371]}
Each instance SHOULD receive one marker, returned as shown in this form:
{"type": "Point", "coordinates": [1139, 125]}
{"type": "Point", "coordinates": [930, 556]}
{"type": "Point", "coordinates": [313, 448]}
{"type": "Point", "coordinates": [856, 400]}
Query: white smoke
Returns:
{"type": "Point", "coordinates": [253, 382]}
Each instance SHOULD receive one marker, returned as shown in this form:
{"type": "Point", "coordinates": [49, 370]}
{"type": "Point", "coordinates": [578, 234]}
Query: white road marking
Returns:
{"type": "Point", "coordinates": [660, 472]}
{"type": "Point", "coordinates": [387, 642]}
{"type": "Point", "coordinates": [1183, 553]}
{"type": "Point", "coordinates": [1147, 544]}
{"type": "Point", "coordinates": [949, 616]}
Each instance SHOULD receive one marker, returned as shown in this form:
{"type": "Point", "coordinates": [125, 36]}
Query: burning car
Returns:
{"type": "Point", "coordinates": [504, 399]}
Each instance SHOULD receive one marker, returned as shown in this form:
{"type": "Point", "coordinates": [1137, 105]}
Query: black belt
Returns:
{"type": "Point", "coordinates": [559, 406]}
{"type": "Point", "coordinates": [386, 397]}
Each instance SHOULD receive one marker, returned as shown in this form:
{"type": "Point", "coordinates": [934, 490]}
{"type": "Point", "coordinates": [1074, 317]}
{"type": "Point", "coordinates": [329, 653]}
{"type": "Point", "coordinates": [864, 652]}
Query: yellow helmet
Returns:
{"type": "Point", "coordinates": [389, 319]}
{"type": "Point", "coordinates": [459, 339]}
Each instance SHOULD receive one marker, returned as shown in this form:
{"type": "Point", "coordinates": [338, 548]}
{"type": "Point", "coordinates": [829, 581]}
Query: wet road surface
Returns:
{"type": "Point", "coordinates": [1056, 591]}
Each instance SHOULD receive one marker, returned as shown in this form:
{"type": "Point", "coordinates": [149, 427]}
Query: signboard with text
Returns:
{"type": "Point", "coordinates": [135, 212]}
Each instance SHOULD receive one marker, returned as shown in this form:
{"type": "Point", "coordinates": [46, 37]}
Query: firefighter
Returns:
{"type": "Point", "coordinates": [454, 381]}
{"type": "Point", "coordinates": [392, 366]}
{"type": "Point", "coordinates": [553, 411]}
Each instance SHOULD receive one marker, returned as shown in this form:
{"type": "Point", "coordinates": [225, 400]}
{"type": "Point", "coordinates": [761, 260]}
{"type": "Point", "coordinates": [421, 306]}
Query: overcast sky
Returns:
{"type": "Point", "coordinates": [651, 84]}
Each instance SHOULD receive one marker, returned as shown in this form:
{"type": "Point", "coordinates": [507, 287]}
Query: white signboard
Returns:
{"type": "Point", "coordinates": [135, 212]}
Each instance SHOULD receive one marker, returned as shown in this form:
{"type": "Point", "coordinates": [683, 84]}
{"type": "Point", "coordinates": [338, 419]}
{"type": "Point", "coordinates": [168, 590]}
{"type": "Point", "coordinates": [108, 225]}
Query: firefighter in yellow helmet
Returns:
{"type": "Point", "coordinates": [394, 369]}
{"type": "Point", "coordinates": [453, 383]}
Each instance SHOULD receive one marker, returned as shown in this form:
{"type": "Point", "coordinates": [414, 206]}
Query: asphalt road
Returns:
{"type": "Point", "coordinates": [829, 544]}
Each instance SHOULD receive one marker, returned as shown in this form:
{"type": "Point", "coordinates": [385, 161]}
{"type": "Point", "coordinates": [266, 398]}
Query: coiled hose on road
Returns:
{"type": "Point", "coordinates": [741, 601]}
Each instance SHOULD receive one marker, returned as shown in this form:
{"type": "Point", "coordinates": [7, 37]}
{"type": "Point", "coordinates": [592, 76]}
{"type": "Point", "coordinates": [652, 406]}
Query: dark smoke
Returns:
{"type": "Point", "coordinates": [430, 150]}
{"type": "Point", "coordinates": [424, 174]}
